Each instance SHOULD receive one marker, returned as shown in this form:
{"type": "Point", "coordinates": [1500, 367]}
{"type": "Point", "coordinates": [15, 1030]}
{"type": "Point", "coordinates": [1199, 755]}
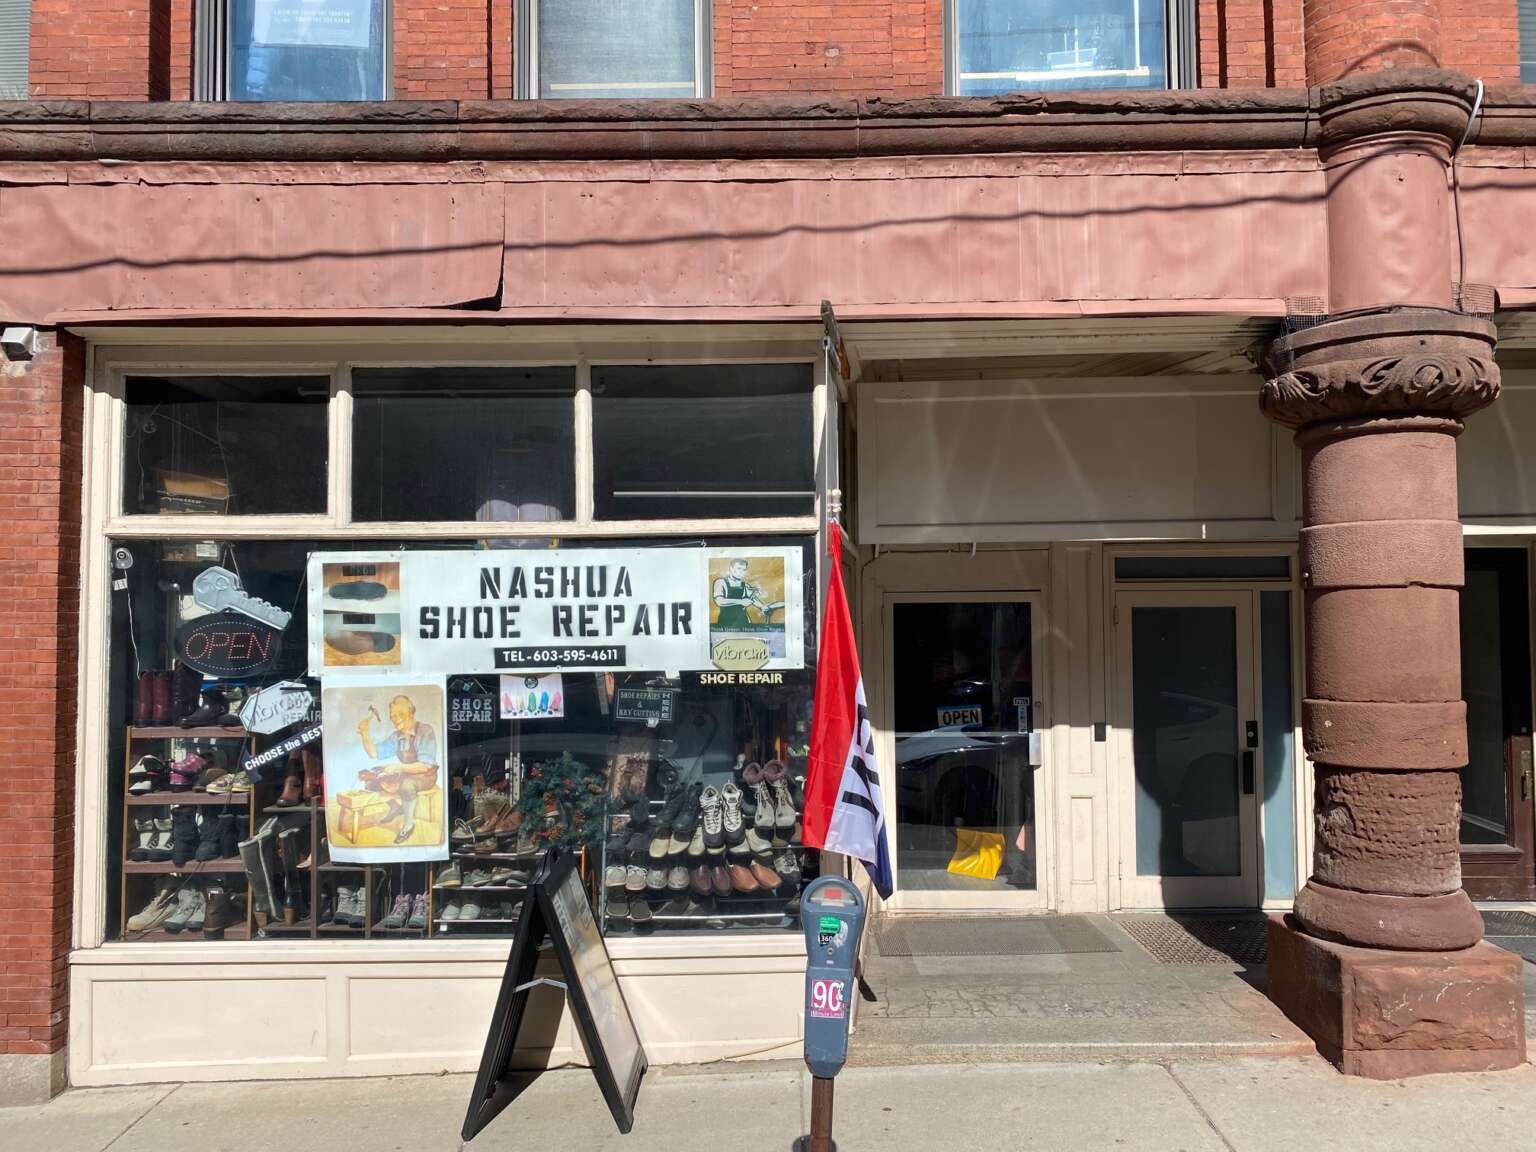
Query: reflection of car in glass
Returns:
{"type": "Point", "coordinates": [950, 777]}
{"type": "Point", "coordinates": [1195, 751]}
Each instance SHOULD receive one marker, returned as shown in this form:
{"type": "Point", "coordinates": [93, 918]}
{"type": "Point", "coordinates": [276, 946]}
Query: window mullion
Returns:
{"type": "Point", "coordinates": [585, 481]}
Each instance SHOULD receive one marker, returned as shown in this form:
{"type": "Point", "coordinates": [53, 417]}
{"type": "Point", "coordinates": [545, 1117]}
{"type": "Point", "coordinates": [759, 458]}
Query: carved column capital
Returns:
{"type": "Point", "coordinates": [1398, 362]}
{"type": "Point", "coordinates": [1428, 103]}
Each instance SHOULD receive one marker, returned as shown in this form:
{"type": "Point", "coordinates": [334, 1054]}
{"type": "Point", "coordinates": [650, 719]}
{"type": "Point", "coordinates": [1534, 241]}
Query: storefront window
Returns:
{"type": "Point", "coordinates": [316, 50]}
{"type": "Point", "coordinates": [1003, 46]}
{"type": "Point", "coordinates": [696, 441]}
{"type": "Point", "coordinates": [619, 49]}
{"type": "Point", "coordinates": [463, 444]}
{"type": "Point", "coordinates": [225, 445]}
{"type": "Point", "coordinates": [239, 774]}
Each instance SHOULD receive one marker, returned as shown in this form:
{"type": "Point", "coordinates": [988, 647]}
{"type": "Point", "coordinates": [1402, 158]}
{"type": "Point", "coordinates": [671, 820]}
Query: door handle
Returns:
{"type": "Point", "coordinates": [1526, 774]}
{"type": "Point", "coordinates": [1247, 772]}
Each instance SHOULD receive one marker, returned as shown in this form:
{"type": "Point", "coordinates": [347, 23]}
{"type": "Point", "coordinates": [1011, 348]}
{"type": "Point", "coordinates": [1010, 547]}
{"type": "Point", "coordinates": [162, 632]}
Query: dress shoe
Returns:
{"type": "Point", "coordinates": [742, 879]}
{"type": "Point", "coordinates": [720, 879]}
{"type": "Point", "coordinates": [698, 880]}
{"type": "Point", "coordinates": [766, 877]}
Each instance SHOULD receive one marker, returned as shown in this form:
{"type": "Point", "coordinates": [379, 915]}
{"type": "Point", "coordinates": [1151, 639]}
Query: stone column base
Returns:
{"type": "Point", "coordinates": [30, 1079]}
{"type": "Point", "coordinates": [1388, 1014]}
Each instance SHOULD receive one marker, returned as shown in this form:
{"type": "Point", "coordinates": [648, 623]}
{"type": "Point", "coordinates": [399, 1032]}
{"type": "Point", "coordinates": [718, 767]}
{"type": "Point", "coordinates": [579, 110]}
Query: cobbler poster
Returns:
{"type": "Point", "coordinates": [563, 610]}
{"type": "Point", "coordinates": [386, 755]}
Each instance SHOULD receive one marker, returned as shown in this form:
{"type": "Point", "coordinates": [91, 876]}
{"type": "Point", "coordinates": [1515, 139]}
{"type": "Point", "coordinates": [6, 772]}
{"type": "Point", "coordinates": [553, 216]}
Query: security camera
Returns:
{"type": "Point", "coordinates": [19, 343]}
{"type": "Point", "coordinates": [122, 559]}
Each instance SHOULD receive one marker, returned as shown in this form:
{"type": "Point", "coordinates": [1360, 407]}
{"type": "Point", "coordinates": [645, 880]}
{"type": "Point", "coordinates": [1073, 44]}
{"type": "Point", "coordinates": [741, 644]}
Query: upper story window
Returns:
{"type": "Point", "coordinates": [293, 49]}
{"type": "Point", "coordinates": [1527, 15]}
{"type": "Point", "coordinates": [1006, 45]}
{"type": "Point", "coordinates": [15, 47]}
{"type": "Point", "coordinates": [613, 49]}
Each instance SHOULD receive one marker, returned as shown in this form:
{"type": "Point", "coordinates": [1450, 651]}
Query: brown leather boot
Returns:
{"type": "Point", "coordinates": [144, 700]}
{"type": "Point", "coordinates": [293, 785]}
{"type": "Point", "coordinates": [314, 783]}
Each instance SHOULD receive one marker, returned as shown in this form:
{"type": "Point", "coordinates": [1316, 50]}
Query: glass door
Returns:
{"type": "Point", "coordinates": [967, 751]}
{"type": "Point", "coordinates": [1188, 749]}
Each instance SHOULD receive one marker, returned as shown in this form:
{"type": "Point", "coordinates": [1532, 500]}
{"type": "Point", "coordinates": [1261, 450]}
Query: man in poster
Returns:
{"type": "Point", "coordinates": [412, 746]}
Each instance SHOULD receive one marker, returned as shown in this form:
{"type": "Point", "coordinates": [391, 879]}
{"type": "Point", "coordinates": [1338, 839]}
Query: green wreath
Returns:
{"type": "Point", "coordinates": [563, 804]}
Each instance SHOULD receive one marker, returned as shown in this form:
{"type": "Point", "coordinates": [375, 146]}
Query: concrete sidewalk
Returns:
{"type": "Point", "coordinates": [1249, 1104]}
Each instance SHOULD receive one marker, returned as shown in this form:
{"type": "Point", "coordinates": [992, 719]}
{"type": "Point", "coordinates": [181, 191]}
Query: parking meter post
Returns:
{"type": "Point", "coordinates": [821, 1114]}
{"type": "Point", "coordinates": [832, 914]}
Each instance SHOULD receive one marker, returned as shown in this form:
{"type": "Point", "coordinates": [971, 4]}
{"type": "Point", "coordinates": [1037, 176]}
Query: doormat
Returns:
{"type": "Point", "coordinates": [989, 936]}
{"type": "Point", "coordinates": [1199, 939]}
{"type": "Point", "coordinates": [1509, 923]}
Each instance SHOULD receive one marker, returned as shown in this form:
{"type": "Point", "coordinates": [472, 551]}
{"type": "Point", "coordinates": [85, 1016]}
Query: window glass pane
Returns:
{"type": "Point", "coordinates": [1202, 567]}
{"type": "Point", "coordinates": [1005, 45]}
{"type": "Point", "coordinates": [306, 49]}
{"type": "Point", "coordinates": [1526, 10]}
{"type": "Point", "coordinates": [191, 858]}
{"type": "Point", "coordinates": [965, 799]}
{"type": "Point", "coordinates": [463, 444]}
{"type": "Point", "coordinates": [15, 43]}
{"type": "Point", "coordinates": [616, 48]}
{"type": "Point", "coordinates": [237, 445]}
{"type": "Point", "coordinates": [703, 441]}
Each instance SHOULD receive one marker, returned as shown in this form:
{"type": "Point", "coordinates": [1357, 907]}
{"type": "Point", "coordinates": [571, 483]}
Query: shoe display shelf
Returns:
{"type": "Point", "coordinates": [140, 878]}
{"type": "Point", "coordinates": [511, 895]}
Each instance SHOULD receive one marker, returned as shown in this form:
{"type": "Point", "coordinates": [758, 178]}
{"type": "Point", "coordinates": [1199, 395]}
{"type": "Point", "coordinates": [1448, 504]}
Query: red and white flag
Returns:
{"type": "Point", "coordinates": [843, 812]}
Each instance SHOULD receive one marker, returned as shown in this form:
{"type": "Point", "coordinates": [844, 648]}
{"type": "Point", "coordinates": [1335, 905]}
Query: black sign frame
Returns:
{"type": "Point", "coordinates": [497, 1084]}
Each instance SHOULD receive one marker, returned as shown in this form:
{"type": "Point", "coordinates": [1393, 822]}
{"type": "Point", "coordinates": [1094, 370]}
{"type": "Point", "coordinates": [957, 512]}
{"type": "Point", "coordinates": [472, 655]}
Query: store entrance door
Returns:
{"type": "Point", "coordinates": [964, 676]}
{"type": "Point", "coordinates": [1188, 749]}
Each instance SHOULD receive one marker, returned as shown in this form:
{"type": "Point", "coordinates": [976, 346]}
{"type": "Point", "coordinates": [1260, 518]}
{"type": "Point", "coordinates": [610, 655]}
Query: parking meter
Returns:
{"type": "Point", "coordinates": [832, 912]}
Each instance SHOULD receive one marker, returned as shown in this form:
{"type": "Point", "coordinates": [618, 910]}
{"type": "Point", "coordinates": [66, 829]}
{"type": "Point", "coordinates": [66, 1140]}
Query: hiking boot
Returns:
{"type": "Point", "coordinates": [698, 880]}
{"type": "Point", "coordinates": [399, 913]}
{"type": "Point", "coordinates": [634, 878]}
{"type": "Point", "coordinates": [787, 865]}
{"type": "Point", "coordinates": [733, 830]}
{"type": "Point", "coordinates": [160, 908]}
{"type": "Point", "coordinates": [207, 838]}
{"type": "Point", "coordinates": [742, 879]}
{"type": "Point", "coordinates": [224, 911]}
{"type": "Point", "coordinates": [185, 900]}
{"type": "Point", "coordinates": [184, 835]}
{"type": "Point", "coordinates": [756, 844]}
{"type": "Point", "coordinates": [783, 805]}
{"type": "Point", "coordinates": [720, 879]}
{"type": "Point", "coordinates": [766, 877]}
{"type": "Point", "coordinates": [677, 878]}
{"type": "Point", "coordinates": [451, 876]}
{"type": "Point", "coordinates": [144, 831]}
{"type": "Point", "coordinates": [656, 879]}
{"type": "Point", "coordinates": [710, 821]}
{"type": "Point", "coordinates": [199, 911]}
{"type": "Point", "coordinates": [763, 809]}
{"type": "Point", "coordinates": [418, 917]}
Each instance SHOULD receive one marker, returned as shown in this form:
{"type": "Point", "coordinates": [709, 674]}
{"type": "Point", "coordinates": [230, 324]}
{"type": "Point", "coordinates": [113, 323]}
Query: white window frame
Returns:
{"type": "Point", "coordinates": [249, 351]}
{"type": "Point", "coordinates": [525, 54]}
{"type": "Point", "coordinates": [211, 50]}
{"type": "Point", "coordinates": [1181, 52]}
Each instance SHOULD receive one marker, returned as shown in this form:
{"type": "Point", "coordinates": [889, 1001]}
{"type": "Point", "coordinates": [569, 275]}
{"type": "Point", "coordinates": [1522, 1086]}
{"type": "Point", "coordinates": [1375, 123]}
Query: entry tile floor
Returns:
{"type": "Point", "coordinates": [1091, 1006]}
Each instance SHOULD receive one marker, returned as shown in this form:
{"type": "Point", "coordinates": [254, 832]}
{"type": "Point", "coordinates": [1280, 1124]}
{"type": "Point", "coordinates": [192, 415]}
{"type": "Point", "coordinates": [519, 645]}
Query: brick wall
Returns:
{"type": "Point", "coordinates": [443, 48]}
{"type": "Point", "coordinates": [1251, 43]}
{"type": "Point", "coordinates": [871, 47]}
{"type": "Point", "coordinates": [40, 478]}
{"type": "Point", "coordinates": [1481, 38]}
{"type": "Point", "coordinates": [93, 49]}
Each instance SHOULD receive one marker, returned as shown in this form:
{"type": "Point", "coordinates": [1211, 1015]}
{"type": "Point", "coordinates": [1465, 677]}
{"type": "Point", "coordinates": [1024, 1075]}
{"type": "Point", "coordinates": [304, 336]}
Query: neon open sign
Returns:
{"type": "Point", "coordinates": [228, 644]}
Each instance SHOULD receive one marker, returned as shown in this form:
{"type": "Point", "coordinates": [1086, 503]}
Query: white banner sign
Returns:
{"type": "Point", "coordinates": [312, 23]}
{"type": "Point", "coordinates": [591, 609]}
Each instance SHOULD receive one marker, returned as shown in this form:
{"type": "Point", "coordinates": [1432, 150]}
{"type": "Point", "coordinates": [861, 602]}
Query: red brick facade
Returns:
{"type": "Point", "coordinates": [462, 49]}
{"type": "Point", "coordinates": [40, 477]}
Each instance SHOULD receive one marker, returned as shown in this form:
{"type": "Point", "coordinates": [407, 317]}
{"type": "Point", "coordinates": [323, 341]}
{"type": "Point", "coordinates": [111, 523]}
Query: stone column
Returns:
{"type": "Point", "coordinates": [1382, 961]}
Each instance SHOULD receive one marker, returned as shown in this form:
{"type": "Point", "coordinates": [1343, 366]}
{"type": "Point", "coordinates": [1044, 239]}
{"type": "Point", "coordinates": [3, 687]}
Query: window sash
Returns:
{"type": "Point", "coordinates": [337, 520]}
{"type": "Point", "coordinates": [526, 82]}
{"type": "Point", "coordinates": [213, 50]}
{"type": "Point", "coordinates": [15, 48]}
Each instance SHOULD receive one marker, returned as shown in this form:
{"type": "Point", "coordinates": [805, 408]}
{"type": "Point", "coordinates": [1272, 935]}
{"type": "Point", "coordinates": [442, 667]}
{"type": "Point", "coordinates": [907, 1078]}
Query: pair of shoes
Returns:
{"type": "Point", "coordinates": [224, 909]}
{"type": "Point", "coordinates": [148, 775]}
{"type": "Point", "coordinates": [230, 784]}
{"type": "Point", "coordinates": [217, 836]}
{"type": "Point", "coordinates": [351, 909]}
{"type": "Point", "coordinates": [159, 909]}
{"type": "Point", "coordinates": [191, 909]}
{"type": "Point", "coordinates": [674, 827]}
{"type": "Point", "coordinates": [154, 839]}
{"type": "Point", "coordinates": [212, 712]}
{"type": "Point", "coordinates": [402, 910]}
{"type": "Point", "coordinates": [773, 805]}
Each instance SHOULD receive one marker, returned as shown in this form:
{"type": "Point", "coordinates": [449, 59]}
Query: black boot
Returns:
{"type": "Point", "coordinates": [184, 835]}
{"type": "Point", "coordinates": [207, 838]}
{"type": "Point", "coordinates": [185, 683]}
{"type": "Point", "coordinates": [213, 710]}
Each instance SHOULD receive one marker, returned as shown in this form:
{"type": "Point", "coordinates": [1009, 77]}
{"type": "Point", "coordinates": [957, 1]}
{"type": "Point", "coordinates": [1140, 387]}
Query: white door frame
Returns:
{"type": "Point", "coordinates": [1241, 891]}
{"type": "Point", "coordinates": [1039, 899]}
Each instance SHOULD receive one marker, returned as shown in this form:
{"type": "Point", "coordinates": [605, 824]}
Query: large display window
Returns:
{"type": "Point", "coordinates": [314, 735]}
